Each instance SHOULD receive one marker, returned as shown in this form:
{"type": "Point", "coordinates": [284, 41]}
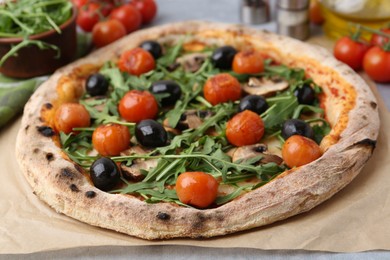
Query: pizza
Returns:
{"type": "Point", "coordinates": [196, 129]}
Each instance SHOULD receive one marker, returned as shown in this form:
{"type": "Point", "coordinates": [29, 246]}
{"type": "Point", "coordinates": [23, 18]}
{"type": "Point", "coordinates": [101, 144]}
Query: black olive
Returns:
{"type": "Point", "coordinates": [305, 94]}
{"type": "Point", "coordinates": [150, 133]}
{"type": "Point", "coordinates": [222, 57]}
{"type": "Point", "coordinates": [104, 173]}
{"type": "Point", "coordinates": [167, 87]}
{"type": "Point", "coordinates": [296, 127]}
{"type": "Point", "coordinates": [153, 47]}
{"type": "Point", "coordinates": [255, 103]}
{"type": "Point", "coordinates": [96, 85]}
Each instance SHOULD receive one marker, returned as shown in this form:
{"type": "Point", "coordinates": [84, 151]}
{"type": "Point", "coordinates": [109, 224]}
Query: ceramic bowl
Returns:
{"type": "Point", "coordinates": [32, 61]}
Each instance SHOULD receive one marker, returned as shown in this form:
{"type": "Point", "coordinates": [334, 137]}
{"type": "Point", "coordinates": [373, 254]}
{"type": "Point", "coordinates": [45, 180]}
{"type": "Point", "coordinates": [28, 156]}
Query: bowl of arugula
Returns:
{"type": "Point", "coordinates": [36, 37]}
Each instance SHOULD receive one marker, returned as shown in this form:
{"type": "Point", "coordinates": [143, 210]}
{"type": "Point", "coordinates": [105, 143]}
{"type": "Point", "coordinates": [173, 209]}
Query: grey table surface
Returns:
{"type": "Point", "coordinates": [221, 11]}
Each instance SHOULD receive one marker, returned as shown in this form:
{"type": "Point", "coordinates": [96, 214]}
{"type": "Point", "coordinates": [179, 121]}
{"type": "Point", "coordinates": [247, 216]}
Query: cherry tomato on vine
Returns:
{"type": "Point", "coordinates": [221, 88]}
{"type": "Point", "coordinates": [376, 64]}
{"type": "Point", "coordinates": [380, 40]}
{"type": "Point", "coordinates": [79, 3]}
{"type": "Point", "coordinates": [198, 189]}
{"type": "Point", "coordinates": [147, 8]}
{"type": "Point", "coordinates": [248, 62]}
{"type": "Point", "coordinates": [245, 128]}
{"type": "Point", "coordinates": [128, 15]}
{"type": "Point", "coordinates": [111, 140]}
{"type": "Point", "coordinates": [70, 115]}
{"type": "Point", "coordinates": [136, 61]}
{"type": "Point", "coordinates": [350, 52]}
{"type": "Point", "coordinates": [90, 14]}
{"type": "Point", "coordinates": [106, 32]}
{"type": "Point", "coordinates": [299, 150]}
{"type": "Point", "coordinates": [136, 106]}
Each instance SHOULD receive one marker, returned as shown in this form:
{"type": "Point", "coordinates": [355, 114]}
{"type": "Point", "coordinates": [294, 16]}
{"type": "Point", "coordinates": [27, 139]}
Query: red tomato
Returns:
{"type": "Point", "coordinates": [106, 32]}
{"type": "Point", "coordinates": [248, 62]}
{"type": "Point", "coordinates": [376, 64]}
{"type": "Point", "coordinates": [221, 88]}
{"type": "Point", "coordinates": [299, 150]}
{"type": "Point", "coordinates": [89, 15]}
{"type": "Point", "coordinates": [71, 115]}
{"type": "Point", "coordinates": [198, 189]}
{"type": "Point", "coordinates": [350, 52]}
{"type": "Point", "coordinates": [136, 61]}
{"type": "Point", "coordinates": [111, 140]}
{"type": "Point", "coordinates": [147, 8]}
{"type": "Point", "coordinates": [245, 128]}
{"type": "Point", "coordinates": [315, 13]}
{"type": "Point", "coordinates": [379, 40]}
{"type": "Point", "coordinates": [79, 3]}
{"type": "Point", "coordinates": [138, 105]}
{"type": "Point", "coordinates": [129, 16]}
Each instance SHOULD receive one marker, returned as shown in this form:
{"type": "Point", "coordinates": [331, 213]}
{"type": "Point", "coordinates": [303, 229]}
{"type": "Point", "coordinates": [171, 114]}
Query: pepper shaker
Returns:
{"type": "Point", "coordinates": [293, 18]}
{"type": "Point", "coordinates": [254, 11]}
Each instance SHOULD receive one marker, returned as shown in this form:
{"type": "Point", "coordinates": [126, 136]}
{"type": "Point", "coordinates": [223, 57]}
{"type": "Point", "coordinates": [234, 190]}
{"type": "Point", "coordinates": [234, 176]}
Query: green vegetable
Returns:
{"type": "Point", "coordinates": [24, 18]}
{"type": "Point", "coordinates": [13, 95]}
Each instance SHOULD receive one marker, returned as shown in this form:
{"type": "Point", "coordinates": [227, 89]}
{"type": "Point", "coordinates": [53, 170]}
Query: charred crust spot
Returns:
{"type": "Point", "coordinates": [36, 150]}
{"type": "Point", "coordinates": [26, 128]}
{"type": "Point", "coordinates": [78, 168]}
{"type": "Point", "coordinates": [199, 221]}
{"type": "Point", "coordinates": [373, 104]}
{"type": "Point", "coordinates": [163, 216]}
{"type": "Point", "coordinates": [90, 194]}
{"type": "Point", "coordinates": [49, 157]}
{"type": "Point", "coordinates": [46, 131]}
{"type": "Point", "coordinates": [367, 142]}
{"type": "Point", "coordinates": [364, 117]}
{"type": "Point", "coordinates": [74, 188]}
{"type": "Point", "coordinates": [67, 173]}
{"type": "Point", "coordinates": [48, 106]}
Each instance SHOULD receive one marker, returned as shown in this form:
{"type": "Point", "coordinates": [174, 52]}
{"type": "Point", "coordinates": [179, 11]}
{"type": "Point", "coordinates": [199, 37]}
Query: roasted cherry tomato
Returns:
{"type": "Point", "coordinates": [221, 88]}
{"type": "Point", "coordinates": [248, 62]}
{"type": "Point", "coordinates": [198, 189]}
{"type": "Point", "coordinates": [245, 128]}
{"type": "Point", "coordinates": [376, 64]}
{"type": "Point", "coordinates": [138, 105]}
{"type": "Point", "coordinates": [129, 16]}
{"type": "Point", "coordinates": [111, 140]}
{"type": "Point", "coordinates": [147, 8]}
{"type": "Point", "coordinates": [299, 150]}
{"type": "Point", "coordinates": [350, 52]}
{"type": "Point", "coordinates": [380, 40]}
{"type": "Point", "coordinates": [106, 32]}
{"type": "Point", "coordinates": [136, 61]}
{"type": "Point", "coordinates": [315, 13]}
{"type": "Point", "coordinates": [71, 115]}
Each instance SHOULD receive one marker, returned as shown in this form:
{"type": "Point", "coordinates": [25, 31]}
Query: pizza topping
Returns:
{"type": "Point", "coordinates": [153, 47]}
{"type": "Point", "coordinates": [255, 151]}
{"type": "Point", "coordinates": [150, 133]}
{"type": "Point", "coordinates": [71, 115]}
{"type": "Point", "coordinates": [248, 62]}
{"type": "Point", "coordinates": [96, 85]}
{"type": "Point", "coordinates": [104, 173]}
{"type": "Point", "coordinates": [245, 128]}
{"type": "Point", "coordinates": [299, 150]}
{"type": "Point", "coordinates": [265, 86]}
{"type": "Point", "coordinates": [111, 140]}
{"type": "Point", "coordinates": [137, 105]}
{"type": "Point", "coordinates": [198, 189]}
{"type": "Point", "coordinates": [222, 88]}
{"type": "Point", "coordinates": [169, 88]}
{"type": "Point", "coordinates": [296, 127]}
{"type": "Point", "coordinates": [136, 61]}
{"type": "Point", "coordinates": [192, 62]}
{"type": "Point", "coordinates": [254, 103]}
{"type": "Point", "coordinates": [222, 57]}
{"type": "Point", "coordinates": [305, 94]}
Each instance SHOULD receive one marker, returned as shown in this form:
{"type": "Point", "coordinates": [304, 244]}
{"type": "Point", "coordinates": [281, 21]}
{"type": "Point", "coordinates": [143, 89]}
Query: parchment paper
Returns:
{"type": "Point", "coordinates": [355, 219]}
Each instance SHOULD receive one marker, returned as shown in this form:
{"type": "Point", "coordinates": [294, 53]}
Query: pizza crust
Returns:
{"type": "Point", "coordinates": [353, 115]}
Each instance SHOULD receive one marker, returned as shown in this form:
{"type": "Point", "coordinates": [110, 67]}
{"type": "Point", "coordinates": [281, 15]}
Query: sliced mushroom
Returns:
{"type": "Point", "coordinates": [250, 151]}
{"type": "Point", "coordinates": [192, 62]}
{"type": "Point", "coordinates": [191, 119]}
{"type": "Point", "coordinates": [134, 171]}
{"type": "Point", "coordinates": [265, 86]}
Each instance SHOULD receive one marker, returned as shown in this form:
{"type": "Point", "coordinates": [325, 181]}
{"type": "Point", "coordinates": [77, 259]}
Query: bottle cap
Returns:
{"type": "Point", "coordinates": [254, 11]}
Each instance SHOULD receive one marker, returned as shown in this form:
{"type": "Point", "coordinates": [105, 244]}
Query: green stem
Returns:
{"type": "Point", "coordinates": [17, 21]}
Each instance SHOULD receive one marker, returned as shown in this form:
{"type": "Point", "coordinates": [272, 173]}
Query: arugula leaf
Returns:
{"type": "Point", "coordinates": [281, 108]}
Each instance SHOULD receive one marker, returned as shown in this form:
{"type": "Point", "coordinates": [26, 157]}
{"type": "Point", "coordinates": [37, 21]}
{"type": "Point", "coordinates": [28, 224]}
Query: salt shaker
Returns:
{"type": "Point", "coordinates": [254, 11]}
{"type": "Point", "coordinates": [293, 18]}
